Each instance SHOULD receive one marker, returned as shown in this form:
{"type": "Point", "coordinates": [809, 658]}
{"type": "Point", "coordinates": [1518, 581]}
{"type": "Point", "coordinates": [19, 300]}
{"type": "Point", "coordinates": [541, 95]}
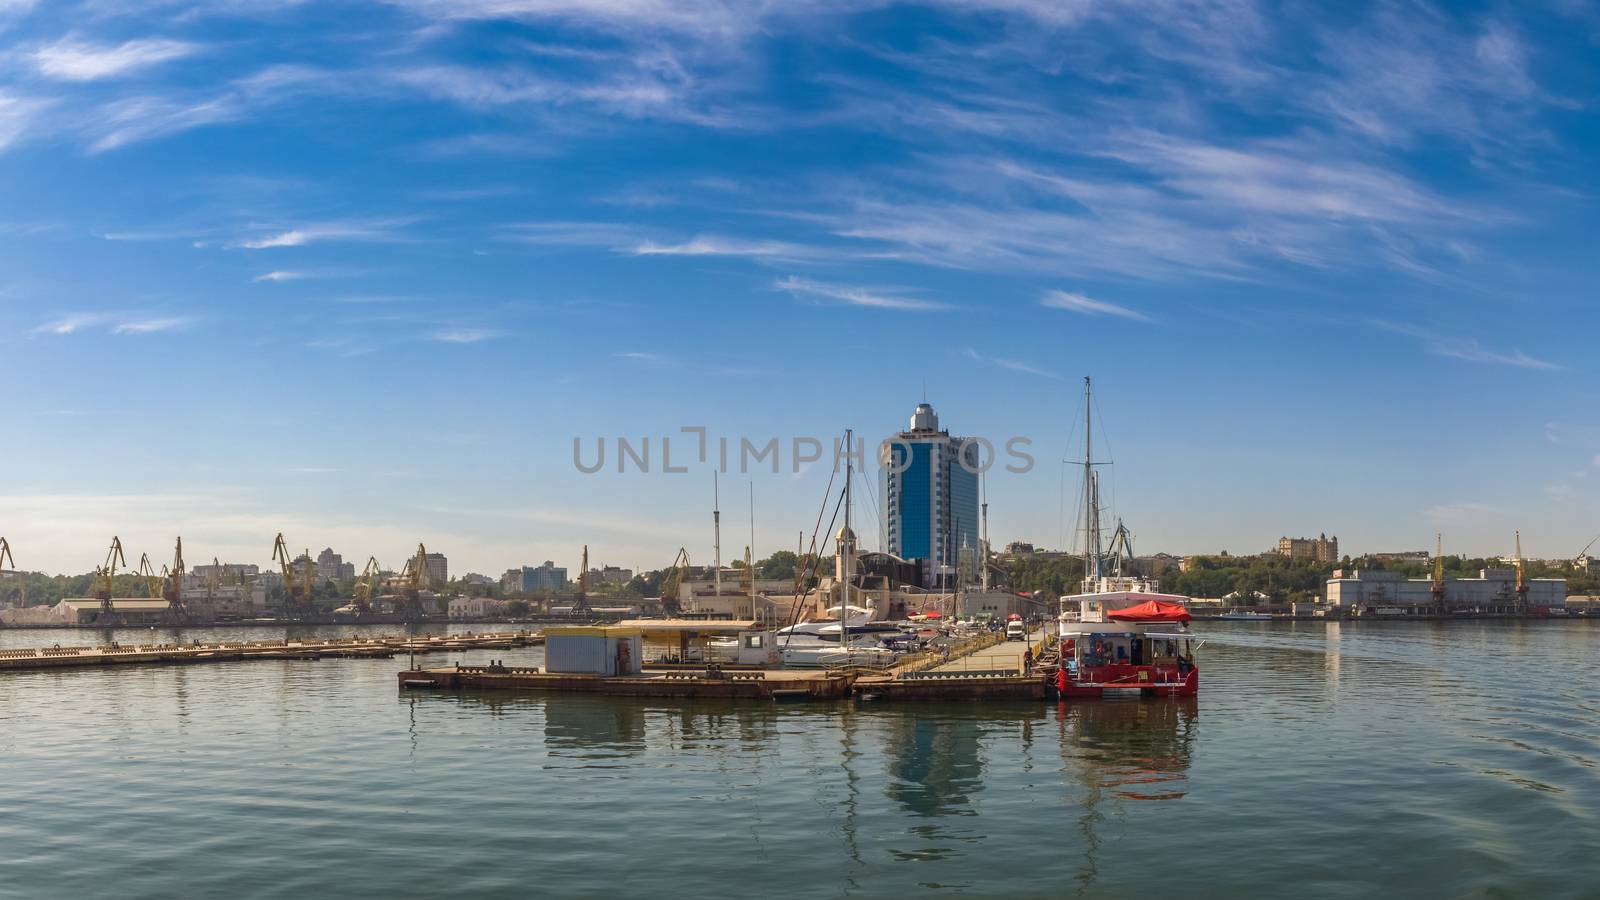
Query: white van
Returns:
{"type": "Point", "coordinates": [1016, 630]}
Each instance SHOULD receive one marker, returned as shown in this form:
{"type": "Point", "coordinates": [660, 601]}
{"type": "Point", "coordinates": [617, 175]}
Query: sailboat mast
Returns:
{"type": "Point", "coordinates": [983, 560]}
{"type": "Point", "coordinates": [1091, 566]}
{"type": "Point", "coordinates": [847, 548]}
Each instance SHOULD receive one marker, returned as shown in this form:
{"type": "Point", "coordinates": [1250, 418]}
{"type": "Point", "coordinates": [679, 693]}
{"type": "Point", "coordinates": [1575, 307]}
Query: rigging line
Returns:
{"type": "Point", "coordinates": [877, 515]}
{"type": "Point", "coordinates": [812, 565]}
{"type": "Point", "coordinates": [1065, 461]}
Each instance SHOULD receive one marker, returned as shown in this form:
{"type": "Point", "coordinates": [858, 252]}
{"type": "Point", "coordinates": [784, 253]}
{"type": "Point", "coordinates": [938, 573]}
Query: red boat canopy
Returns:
{"type": "Point", "coordinates": [1151, 611]}
{"type": "Point", "coordinates": [933, 614]}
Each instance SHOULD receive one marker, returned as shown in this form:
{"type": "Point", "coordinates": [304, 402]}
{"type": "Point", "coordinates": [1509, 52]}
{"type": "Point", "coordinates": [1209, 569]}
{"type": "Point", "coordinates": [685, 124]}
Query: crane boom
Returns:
{"type": "Point", "coordinates": [364, 585]}
{"type": "Point", "coordinates": [297, 592]}
{"type": "Point", "coordinates": [104, 580]}
{"type": "Point", "coordinates": [172, 588]}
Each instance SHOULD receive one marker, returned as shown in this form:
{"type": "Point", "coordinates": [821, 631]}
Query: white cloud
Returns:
{"type": "Point", "coordinates": [73, 60]}
{"type": "Point", "coordinates": [373, 230]}
{"type": "Point", "coordinates": [1470, 350]}
{"type": "Point", "coordinates": [1088, 306]}
{"type": "Point", "coordinates": [466, 335]}
{"type": "Point", "coordinates": [281, 275]}
{"type": "Point", "coordinates": [151, 326]}
{"type": "Point", "coordinates": [112, 323]}
{"type": "Point", "coordinates": [71, 323]}
{"type": "Point", "coordinates": [16, 114]}
{"type": "Point", "coordinates": [873, 297]}
{"type": "Point", "coordinates": [292, 238]}
{"type": "Point", "coordinates": [1010, 364]}
{"type": "Point", "coordinates": [718, 246]}
{"type": "Point", "coordinates": [134, 119]}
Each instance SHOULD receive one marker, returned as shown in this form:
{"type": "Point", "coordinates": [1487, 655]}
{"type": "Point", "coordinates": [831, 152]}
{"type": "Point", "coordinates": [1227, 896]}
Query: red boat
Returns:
{"type": "Point", "coordinates": [1145, 647]}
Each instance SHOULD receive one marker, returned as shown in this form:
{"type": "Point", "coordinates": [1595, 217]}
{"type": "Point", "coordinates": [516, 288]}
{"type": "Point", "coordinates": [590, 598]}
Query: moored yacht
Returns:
{"type": "Point", "coordinates": [1146, 647]}
{"type": "Point", "coordinates": [1120, 633]}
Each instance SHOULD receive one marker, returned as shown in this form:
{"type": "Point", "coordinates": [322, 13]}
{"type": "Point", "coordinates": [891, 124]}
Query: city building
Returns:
{"type": "Point", "coordinates": [1422, 557]}
{"type": "Point", "coordinates": [475, 578]}
{"type": "Point", "coordinates": [930, 490]}
{"type": "Point", "coordinates": [438, 568]}
{"type": "Point", "coordinates": [548, 577]}
{"type": "Point", "coordinates": [1367, 591]}
{"type": "Point", "coordinates": [609, 575]}
{"type": "Point", "coordinates": [1320, 548]}
{"type": "Point", "coordinates": [332, 567]}
{"type": "Point", "coordinates": [226, 573]}
{"type": "Point", "coordinates": [476, 607]}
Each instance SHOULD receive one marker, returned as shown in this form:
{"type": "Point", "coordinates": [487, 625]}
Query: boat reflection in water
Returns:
{"type": "Point", "coordinates": [1124, 750]}
{"type": "Point", "coordinates": [1136, 750]}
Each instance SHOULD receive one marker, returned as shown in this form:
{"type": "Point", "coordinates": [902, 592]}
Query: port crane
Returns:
{"type": "Point", "coordinates": [5, 556]}
{"type": "Point", "coordinates": [416, 581]}
{"type": "Point", "coordinates": [580, 604]}
{"type": "Point", "coordinates": [104, 579]}
{"type": "Point", "coordinates": [297, 592]}
{"type": "Point", "coordinates": [364, 586]}
{"type": "Point", "coordinates": [673, 580]}
{"type": "Point", "coordinates": [153, 580]}
{"type": "Point", "coordinates": [172, 587]}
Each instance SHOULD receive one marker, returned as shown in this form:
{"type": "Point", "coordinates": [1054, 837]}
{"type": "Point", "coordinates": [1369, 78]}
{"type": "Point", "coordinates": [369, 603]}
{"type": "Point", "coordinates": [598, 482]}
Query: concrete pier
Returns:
{"type": "Point", "coordinates": [745, 685]}
{"type": "Point", "coordinates": [58, 657]}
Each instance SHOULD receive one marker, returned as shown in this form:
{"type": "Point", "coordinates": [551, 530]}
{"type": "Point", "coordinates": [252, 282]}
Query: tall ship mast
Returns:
{"type": "Point", "coordinates": [1102, 575]}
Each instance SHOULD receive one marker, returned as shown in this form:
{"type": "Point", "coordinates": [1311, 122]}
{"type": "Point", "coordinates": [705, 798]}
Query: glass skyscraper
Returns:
{"type": "Point", "coordinates": [931, 499]}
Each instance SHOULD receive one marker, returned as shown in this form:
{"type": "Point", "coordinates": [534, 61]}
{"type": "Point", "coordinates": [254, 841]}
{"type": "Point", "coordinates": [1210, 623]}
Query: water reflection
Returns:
{"type": "Point", "coordinates": [1124, 750]}
{"type": "Point", "coordinates": [593, 728]}
{"type": "Point", "coordinates": [1135, 750]}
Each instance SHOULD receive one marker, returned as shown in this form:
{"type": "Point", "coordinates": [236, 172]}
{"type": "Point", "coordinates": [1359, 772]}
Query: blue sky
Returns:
{"type": "Point", "coordinates": [361, 272]}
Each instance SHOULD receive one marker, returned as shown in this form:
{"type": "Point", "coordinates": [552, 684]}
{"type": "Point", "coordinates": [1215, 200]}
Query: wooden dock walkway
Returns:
{"type": "Point", "coordinates": [58, 657]}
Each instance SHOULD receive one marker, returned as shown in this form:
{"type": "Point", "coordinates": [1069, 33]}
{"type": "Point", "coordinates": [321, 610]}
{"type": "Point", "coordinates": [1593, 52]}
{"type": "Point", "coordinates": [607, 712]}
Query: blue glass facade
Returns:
{"type": "Point", "coordinates": [931, 498]}
{"type": "Point", "coordinates": [915, 522]}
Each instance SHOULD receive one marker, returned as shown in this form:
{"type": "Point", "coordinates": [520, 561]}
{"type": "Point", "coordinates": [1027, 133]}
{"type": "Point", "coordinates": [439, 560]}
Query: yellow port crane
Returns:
{"type": "Point", "coordinates": [297, 591]}
{"type": "Point", "coordinates": [172, 587]}
{"type": "Point", "coordinates": [415, 582]}
{"type": "Point", "coordinates": [5, 556]}
{"type": "Point", "coordinates": [153, 580]}
{"type": "Point", "coordinates": [671, 581]}
{"type": "Point", "coordinates": [364, 586]}
{"type": "Point", "coordinates": [104, 580]}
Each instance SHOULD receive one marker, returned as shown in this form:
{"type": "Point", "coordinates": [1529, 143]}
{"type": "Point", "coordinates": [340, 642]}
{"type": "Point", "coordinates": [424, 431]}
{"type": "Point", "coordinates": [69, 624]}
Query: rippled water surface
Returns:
{"type": "Point", "coordinates": [1321, 760]}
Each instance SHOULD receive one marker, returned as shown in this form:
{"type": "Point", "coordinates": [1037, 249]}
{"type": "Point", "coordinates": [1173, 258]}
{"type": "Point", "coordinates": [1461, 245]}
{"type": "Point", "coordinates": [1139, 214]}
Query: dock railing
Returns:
{"type": "Point", "coordinates": [928, 659]}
